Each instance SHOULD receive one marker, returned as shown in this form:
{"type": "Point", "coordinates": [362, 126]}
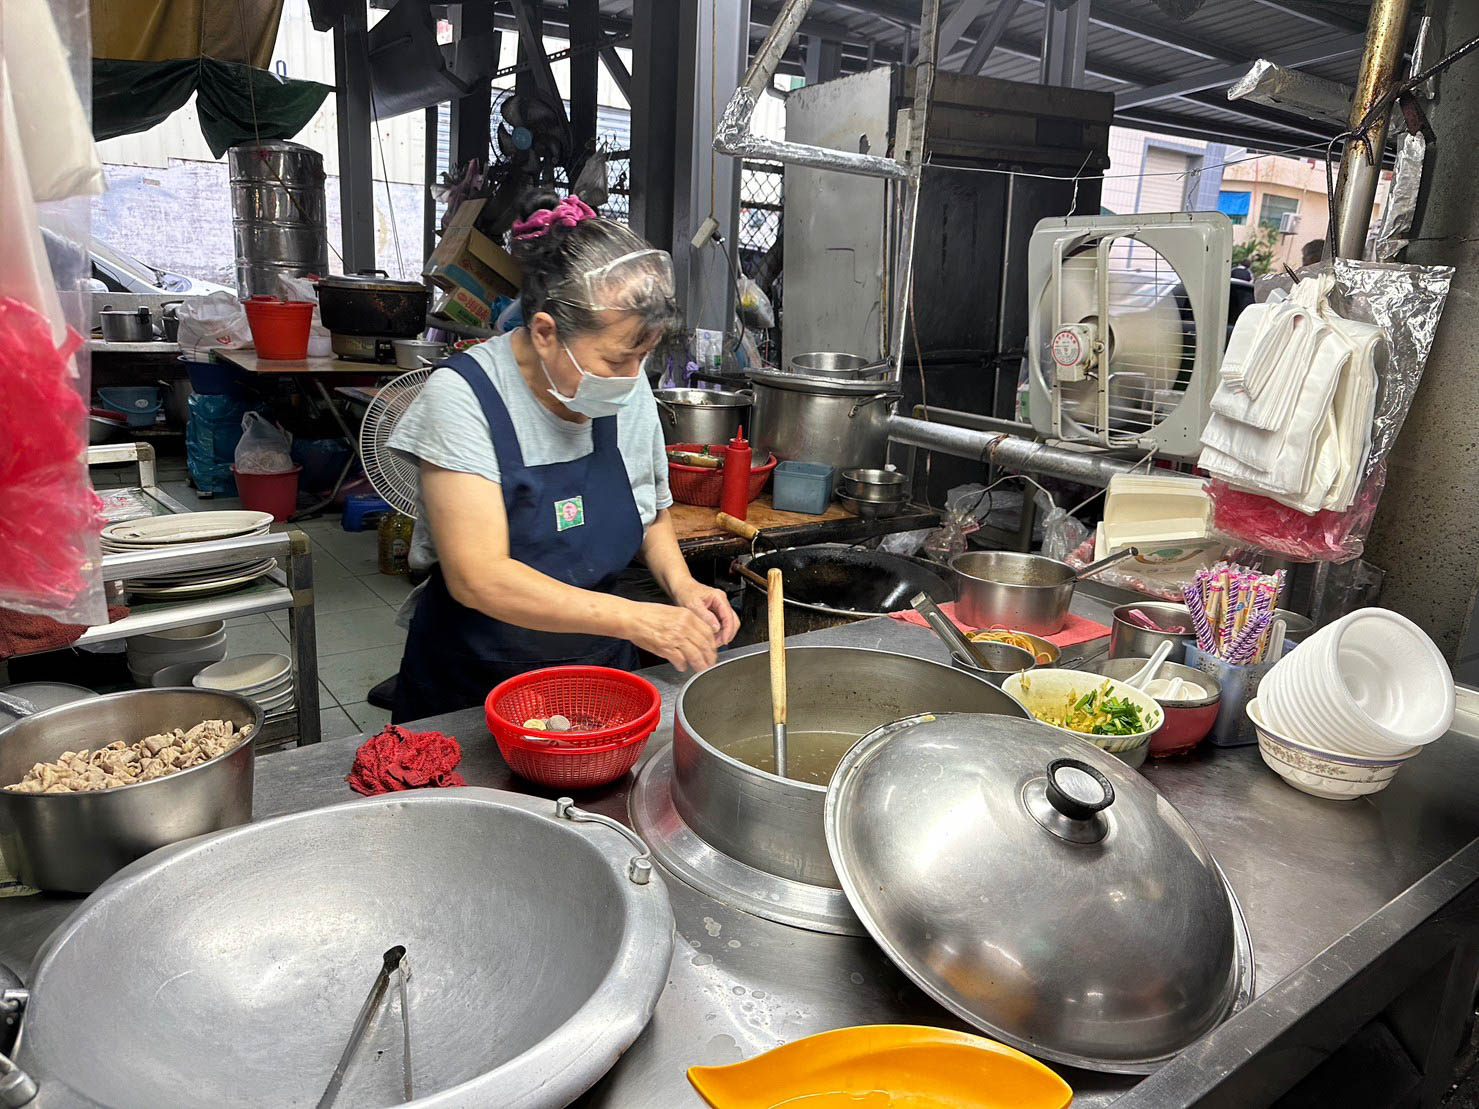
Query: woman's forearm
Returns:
{"type": "Point", "coordinates": [664, 559]}
{"type": "Point", "coordinates": [514, 593]}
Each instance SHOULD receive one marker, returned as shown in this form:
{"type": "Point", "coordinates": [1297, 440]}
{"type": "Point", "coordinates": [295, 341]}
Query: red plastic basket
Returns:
{"type": "Point", "coordinates": [615, 711]}
{"type": "Point", "coordinates": [699, 486]}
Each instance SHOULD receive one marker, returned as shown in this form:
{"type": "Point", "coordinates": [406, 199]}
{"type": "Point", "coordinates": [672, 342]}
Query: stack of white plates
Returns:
{"type": "Point", "coordinates": [158, 532]}
{"type": "Point", "coordinates": [266, 679]}
{"type": "Point", "coordinates": [196, 645]}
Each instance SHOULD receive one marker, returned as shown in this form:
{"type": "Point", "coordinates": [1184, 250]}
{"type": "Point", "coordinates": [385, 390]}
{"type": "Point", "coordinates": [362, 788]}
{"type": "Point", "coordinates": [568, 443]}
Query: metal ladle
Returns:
{"type": "Point", "coordinates": [1007, 658]}
{"type": "Point", "coordinates": [777, 614]}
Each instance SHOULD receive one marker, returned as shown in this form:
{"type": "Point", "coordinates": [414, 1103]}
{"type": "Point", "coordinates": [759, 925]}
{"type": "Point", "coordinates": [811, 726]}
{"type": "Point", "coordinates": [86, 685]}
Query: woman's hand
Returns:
{"type": "Point", "coordinates": [681, 636]}
{"type": "Point", "coordinates": [711, 606]}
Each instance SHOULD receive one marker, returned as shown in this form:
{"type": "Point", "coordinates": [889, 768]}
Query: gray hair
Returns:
{"type": "Point", "coordinates": [554, 263]}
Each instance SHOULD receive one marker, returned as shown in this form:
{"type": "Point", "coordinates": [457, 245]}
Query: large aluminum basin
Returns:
{"type": "Point", "coordinates": [773, 823]}
{"type": "Point", "coordinates": [228, 970]}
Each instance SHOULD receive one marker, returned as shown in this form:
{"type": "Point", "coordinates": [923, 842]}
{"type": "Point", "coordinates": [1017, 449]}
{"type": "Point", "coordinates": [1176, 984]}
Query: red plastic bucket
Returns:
{"type": "Point", "coordinates": [279, 327]}
{"type": "Point", "coordinates": [274, 493]}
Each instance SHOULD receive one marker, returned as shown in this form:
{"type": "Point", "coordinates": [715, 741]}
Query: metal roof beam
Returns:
{"type": "Point", "coordinates": [1169, 124]}
{"type": "Point", "coordinates": [1222, 76]}
{"type": "Point", "coordinates": [1315, 11]}
{"type": "Point", "coordinates": [991, 36]}
{"type": "Point", "coordinates": [961, 15]}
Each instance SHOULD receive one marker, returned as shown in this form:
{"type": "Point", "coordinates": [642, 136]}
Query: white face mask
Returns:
{"type": "Point", "coordinates": [594, 396]}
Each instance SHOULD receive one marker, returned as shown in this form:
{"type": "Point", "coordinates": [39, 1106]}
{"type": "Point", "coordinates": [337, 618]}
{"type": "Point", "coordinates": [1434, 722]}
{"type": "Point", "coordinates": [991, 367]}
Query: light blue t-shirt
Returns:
{"type": "Point", "coordinates": [445, 426]}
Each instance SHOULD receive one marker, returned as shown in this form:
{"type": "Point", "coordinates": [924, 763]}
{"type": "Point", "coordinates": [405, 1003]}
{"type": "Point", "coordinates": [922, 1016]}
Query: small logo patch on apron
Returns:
{"type": "Point", "coordinates": [569, 513]}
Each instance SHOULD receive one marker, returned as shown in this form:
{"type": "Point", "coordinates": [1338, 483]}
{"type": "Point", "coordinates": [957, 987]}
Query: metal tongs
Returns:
{"type": "Point", "coordinates": [394, 960]}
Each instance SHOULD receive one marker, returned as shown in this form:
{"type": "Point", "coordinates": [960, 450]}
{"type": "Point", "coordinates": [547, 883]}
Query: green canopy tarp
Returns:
{"type": "Point", "coordinates": [235, 102]}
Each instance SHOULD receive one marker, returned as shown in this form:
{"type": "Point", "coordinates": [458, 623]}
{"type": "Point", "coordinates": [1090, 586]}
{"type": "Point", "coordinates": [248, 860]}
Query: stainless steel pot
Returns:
{"type": "Point", "coordinates": [834, 364]}
{"type": "Point", "coordinates": [878, 486]}
{"type": "Point", "coordinates": [73, 841]}
{"type": "Point", "coordinates": [1130, 640]}
{"type": "Point", "coordinates": [410, 353]}
{"type": "Point", "coordinates": [1025, 592]}
{"type": "Point", "coordinates": [842, 424]}
{"type": "Point", "coordinates": [267, 937]}
{"type": "Point", "coordinates": [707, 416]}
{"type": "Point", "coordinates": [126, 326]}
{"type": "Point", "coordinates": [775, 824]}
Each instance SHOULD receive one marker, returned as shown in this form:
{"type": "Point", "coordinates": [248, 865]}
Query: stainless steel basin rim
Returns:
{"type": "Point", "coordinates": [527, 999]}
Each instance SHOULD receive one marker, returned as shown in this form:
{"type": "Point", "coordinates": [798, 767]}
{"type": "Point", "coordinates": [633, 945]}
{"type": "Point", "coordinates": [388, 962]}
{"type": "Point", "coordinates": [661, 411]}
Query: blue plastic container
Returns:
{"type": "Point", "coordinates": [361, 510]}
{"type": "Point", "coordinates": [138, 404]}
{"type": "Point", "coordinates": [212, 378]}
{"type": "Point", "coordinates": [802, 487]}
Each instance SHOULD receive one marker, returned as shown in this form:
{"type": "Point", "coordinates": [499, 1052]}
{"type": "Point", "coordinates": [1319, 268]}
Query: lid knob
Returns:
{"type": "Point", "coordinates": [1069, 800]}
{"type": "Point", "coordinates": [1077, 790]}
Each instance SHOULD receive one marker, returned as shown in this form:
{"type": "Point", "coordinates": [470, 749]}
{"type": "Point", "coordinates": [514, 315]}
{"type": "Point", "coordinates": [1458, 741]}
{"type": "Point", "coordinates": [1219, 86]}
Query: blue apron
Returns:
{"type": "Point", "coordinates": [573, 521]}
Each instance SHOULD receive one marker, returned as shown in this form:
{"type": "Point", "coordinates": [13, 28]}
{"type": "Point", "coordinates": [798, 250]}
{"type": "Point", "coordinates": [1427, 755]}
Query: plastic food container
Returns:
{"type": "Point", "coordinates": [802, 487]}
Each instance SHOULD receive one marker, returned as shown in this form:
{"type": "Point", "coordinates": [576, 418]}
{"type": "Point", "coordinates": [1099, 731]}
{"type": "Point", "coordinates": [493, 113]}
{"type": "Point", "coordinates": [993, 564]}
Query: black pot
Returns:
{"type": "Point", "coordinates": [830, 584]}
{"type": "Point", "coordinates": [370, 303]}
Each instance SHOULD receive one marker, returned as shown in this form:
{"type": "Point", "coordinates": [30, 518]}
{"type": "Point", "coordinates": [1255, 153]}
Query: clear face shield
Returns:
{"type": "Point", "coordinates": [640, 282]}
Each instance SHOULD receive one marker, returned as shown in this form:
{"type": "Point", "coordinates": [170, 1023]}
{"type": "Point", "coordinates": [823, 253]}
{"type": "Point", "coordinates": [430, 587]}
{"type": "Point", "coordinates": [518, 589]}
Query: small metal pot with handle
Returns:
{"type": "Point", "coordinates": [1026, 592]}
{"type": "Point", "coordinates": [707, 416]}
{"type": "Point", "coordinates": [126, 325]}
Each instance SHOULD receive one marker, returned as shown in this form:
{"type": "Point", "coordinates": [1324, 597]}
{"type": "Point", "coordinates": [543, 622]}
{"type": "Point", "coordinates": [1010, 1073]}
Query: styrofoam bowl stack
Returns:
{"type": "Point", "coordinates": [1372, 685]}
{"type": "Point", "coordinates": [198, 644]}
{"type": "Point", "coordinates": [266, 679]}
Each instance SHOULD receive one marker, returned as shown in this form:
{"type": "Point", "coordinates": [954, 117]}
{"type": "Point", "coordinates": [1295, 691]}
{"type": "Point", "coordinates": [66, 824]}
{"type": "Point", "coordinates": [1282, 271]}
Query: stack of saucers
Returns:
{"type": "Point", "coordinates": [266, 679]}
{"type": "Point", "coordinates": [1360, 697]}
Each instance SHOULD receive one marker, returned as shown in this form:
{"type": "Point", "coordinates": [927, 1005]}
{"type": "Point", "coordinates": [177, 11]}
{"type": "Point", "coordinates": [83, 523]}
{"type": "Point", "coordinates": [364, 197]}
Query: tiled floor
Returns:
{"type": "Point", "coordinates": [359, 643]}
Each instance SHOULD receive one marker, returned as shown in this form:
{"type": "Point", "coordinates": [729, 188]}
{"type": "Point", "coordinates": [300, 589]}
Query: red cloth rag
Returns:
{"type": "Point", "coordinates": [26, 633]}
{"type": "Point", "coordinates": [397, 759]}
{"type": "Point", "coordinates": [1077, 630]}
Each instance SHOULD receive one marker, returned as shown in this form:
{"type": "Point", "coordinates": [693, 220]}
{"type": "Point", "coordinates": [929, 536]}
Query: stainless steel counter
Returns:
{"type": "Point", "coordinates": [1307, 872]}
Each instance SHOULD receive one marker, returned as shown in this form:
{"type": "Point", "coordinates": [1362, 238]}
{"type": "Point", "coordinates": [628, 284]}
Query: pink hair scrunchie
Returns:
{"type": "Point", "coordinates": [570, 211]}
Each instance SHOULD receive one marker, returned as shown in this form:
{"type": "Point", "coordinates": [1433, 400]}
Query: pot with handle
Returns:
{"type": "Point", "coordinates": [838, 423]}
{"type": "Point", "coordinates": [708, 416]}
{"type": "Point", "coordinates": [132, 325]}
{"type": "Point", "coordinates": [370, 303]}
{"type": "Point", "coordinates": [1026, 592]}
{"type": "Point", "coordinates": [832, 364]}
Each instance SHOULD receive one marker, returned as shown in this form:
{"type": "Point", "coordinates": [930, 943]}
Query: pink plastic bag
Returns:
{"type": "Point", "coordinates": [49, 515]}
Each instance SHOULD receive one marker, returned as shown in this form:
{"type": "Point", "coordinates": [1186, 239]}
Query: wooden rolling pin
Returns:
{"type": "Point", "coordinates": [688, 458]}
{"type": "Point", "coordinates": [778, 669]}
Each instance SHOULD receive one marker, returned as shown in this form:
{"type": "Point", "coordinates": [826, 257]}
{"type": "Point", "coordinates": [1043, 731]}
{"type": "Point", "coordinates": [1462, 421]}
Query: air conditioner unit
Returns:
{"type": "Point", "coordinates": [1127, 327]}
{"type": "Point", "coordinates": [1288, 223]}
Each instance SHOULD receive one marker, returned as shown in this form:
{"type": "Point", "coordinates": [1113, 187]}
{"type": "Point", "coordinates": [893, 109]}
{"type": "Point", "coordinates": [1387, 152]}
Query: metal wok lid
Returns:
{"type": "Point", "coordinates": [1038, 888]}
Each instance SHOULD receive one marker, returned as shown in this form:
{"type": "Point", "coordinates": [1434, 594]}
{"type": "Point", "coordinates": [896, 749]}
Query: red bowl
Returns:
{"type": "Point", "coordinates": [1183, 729]}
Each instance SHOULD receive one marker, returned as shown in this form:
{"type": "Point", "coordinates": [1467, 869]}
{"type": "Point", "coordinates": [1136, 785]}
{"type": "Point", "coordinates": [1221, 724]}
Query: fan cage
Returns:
{"type": "Point", "coordinates": [1151, 342]}
{"type": "Point", "coordinates": [392, 476]}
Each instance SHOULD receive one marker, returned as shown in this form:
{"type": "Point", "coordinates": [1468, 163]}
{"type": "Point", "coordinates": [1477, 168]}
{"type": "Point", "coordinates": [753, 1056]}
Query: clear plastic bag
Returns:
{"type": "Point", "coordinates": [754, 307]}
{"type": "Point", "coordinates": [1407, 301]}
{"type": "Point", "coordinates": [264, 448]}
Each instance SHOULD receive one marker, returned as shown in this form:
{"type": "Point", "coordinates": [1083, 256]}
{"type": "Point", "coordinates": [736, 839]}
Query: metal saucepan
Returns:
{"type": "Point", "coordinates": [413, 354]}
{"type": "Point", "coordinates": [1024, 591]}
{"type": "Point", "coordinates": [1128, 639]}
{"type": "Point", "coordinates": [827, 363]}
{"type": "Point", "coordinates": [993, 661]}
{"type": "Point", "coordinates": [830, 584]}
{"type": "Point", "coordinates": [702, 415]}
{"type": "Point", "coordinates": [523, 998]}
{"type": "Point", "coordinates": [72, 841]}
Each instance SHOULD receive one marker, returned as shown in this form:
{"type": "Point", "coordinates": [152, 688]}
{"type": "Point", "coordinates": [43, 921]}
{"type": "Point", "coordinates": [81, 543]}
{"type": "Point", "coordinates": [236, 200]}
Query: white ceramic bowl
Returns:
{"type": "Point", "coordinates": [170, 639]}
{"type": "Point", "coordinates": [180, 674]}
{"type": "Point", "coordinates": [1047, 689]}
{"type": "Point", "coordinates": [248, 675]}
{"type": "Point", "coordinates": [1321, 773]}
{"type": "Point", "coordinates": [205, 653]}
{"type": "Point", "coordinates": [1372, 684]}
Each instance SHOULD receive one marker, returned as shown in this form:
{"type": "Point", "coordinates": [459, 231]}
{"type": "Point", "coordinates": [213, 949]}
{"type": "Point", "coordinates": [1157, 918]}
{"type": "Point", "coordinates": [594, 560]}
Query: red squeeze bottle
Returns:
{"type": "Point", "coordinates": [734, 491]}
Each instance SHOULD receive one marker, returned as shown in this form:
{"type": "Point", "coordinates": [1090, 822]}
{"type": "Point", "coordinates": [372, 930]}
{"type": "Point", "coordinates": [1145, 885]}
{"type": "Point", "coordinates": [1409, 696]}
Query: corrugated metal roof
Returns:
{"type": "Point", "coordinates": [1133, 45]}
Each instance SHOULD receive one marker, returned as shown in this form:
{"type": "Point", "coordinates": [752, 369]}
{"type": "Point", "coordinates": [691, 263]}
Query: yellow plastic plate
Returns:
{"type": "Point", "coordinates": [885, 1066]}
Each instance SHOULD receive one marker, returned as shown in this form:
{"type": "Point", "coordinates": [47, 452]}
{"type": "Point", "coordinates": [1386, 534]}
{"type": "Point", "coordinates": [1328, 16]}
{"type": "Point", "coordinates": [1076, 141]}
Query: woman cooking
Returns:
{"type": "Point", "coordinates": [543, 474]}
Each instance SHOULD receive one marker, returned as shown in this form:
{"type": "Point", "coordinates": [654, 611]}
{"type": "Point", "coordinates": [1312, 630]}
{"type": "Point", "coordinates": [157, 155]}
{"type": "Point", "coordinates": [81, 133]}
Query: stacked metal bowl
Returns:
{"type": "Point", "coordinates": [873, 493]}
